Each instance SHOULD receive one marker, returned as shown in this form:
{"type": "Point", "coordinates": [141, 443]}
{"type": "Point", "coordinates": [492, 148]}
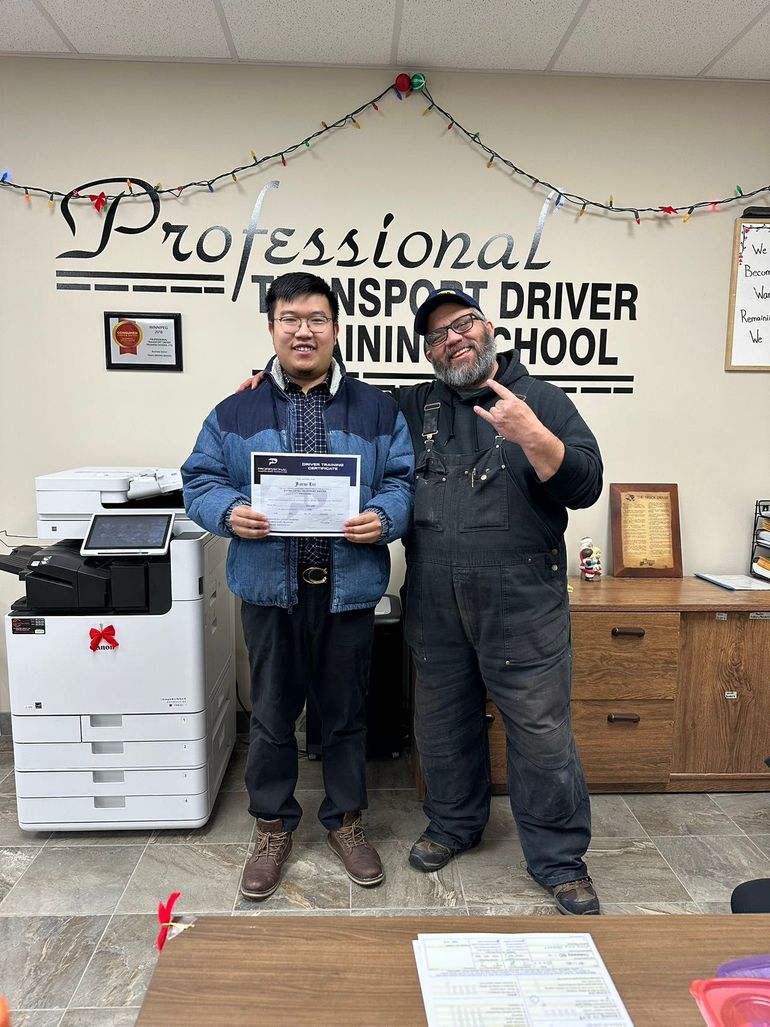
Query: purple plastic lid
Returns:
{"type": "Point", "coordinates": [749, 966]}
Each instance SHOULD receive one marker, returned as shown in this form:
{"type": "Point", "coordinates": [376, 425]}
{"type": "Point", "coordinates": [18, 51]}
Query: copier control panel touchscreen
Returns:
{"type": "Point", "coordinates": [128, 534]}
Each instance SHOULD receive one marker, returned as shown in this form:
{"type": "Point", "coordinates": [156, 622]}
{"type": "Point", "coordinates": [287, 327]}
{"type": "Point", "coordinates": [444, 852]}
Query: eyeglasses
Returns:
{"type": "Point", "coordinates": [461, 325]}
{"type": "Point", "coordinates": [316, 322]}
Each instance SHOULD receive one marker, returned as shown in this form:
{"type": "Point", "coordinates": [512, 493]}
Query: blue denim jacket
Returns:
{"type": "Point", "coordinates": [359, 420]}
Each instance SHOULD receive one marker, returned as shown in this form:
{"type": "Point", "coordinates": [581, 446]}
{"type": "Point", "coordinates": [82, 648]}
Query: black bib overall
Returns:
{"type": "Point", "coordinates": [487, 613]}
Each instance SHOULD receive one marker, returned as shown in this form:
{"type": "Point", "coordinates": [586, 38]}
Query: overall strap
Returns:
{"type": "Point", "coordinates": [430, 418]}
{"type": "Point", "coordinates": [430, 414]}
{"type": "Point", "coordinates": [522, 387]}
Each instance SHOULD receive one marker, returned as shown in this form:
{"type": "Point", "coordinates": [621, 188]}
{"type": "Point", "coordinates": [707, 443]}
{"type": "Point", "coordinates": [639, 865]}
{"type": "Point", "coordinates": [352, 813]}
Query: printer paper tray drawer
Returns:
{"type": "Point", "coordinates": [109, 727]}
{"type": "Point", "coordinates": [44, 784]}
{"type": "Point", "coordinates": [88, 811]}
{"type": "Point", "coordinates": [110, 755]}
{"type": "Point", "coordinates": [142, 727]}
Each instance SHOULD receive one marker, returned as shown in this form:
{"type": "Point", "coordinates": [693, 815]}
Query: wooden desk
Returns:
{"type": "Point", "coordinates": [670, 689]}
{"type": "Point", "coordinates": [323, 970]}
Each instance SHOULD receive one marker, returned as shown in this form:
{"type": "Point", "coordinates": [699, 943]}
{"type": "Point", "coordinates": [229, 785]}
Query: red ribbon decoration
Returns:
{"type": "Point", "coordinates": [668, 210]}
{"type": "Point", "coordinates": [98, 201]}
{"type": "Point", "coordinates": [164, 917]}
{"type": "Point", "coordinates": [103, 635]}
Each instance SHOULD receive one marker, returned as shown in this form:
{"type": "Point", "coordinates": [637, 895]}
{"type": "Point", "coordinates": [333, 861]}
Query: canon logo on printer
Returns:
{"type": "Point", "coordinates": [102, 639]}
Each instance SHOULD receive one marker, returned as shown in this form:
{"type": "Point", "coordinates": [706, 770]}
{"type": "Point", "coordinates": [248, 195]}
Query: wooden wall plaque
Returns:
{"type": "Point", "coordinates": [646, 541]}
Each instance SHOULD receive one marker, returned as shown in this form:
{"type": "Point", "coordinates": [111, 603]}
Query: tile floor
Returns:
{"type": "Point", "coordinates": [77, 910]}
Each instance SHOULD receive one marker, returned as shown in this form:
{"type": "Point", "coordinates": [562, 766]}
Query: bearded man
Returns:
{"type": "Point", "coordinates": [500, 456]}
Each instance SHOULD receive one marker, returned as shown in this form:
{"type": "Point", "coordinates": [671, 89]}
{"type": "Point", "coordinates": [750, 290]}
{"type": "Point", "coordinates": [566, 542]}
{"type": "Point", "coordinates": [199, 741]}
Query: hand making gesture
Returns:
{"type": "Point", "coordinates": [516, 421]}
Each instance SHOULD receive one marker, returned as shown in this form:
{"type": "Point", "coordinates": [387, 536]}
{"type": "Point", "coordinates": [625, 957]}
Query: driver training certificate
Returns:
{"type": "Point", "coordinates": [305, 493]}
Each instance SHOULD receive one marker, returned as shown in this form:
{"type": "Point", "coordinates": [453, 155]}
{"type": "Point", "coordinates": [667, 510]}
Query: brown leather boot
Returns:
{"type": "Point", "coordinates": [262, 873]}
{"type": "Point", "coordinates": [361, 861]}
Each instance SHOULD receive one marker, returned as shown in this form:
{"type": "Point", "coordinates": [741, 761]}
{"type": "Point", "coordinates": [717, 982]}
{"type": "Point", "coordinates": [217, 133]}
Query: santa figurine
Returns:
{"type": "Point", "coordinates": [590, 560]}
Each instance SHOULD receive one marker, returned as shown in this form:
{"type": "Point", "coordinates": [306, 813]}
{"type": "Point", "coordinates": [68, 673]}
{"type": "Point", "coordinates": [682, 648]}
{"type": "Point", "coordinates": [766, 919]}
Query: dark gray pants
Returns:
{"type": "Point", "coordinates": [501, 630]}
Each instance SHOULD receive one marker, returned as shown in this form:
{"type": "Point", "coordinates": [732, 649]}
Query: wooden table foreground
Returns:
{"type": "Point", "coordinates": [324, 970]}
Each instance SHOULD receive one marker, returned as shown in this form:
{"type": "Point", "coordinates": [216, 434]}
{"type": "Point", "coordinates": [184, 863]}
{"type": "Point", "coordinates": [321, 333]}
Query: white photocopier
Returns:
{"type": "Point", "coordinates": [121, 660]}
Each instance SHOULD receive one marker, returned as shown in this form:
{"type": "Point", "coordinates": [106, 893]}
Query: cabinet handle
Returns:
{"type": "Point", "coordinates": [632, 632]}
{"type": "Point", "coordinates": [489, 718]}
{"type": "Point", "coordinates": [623, 718]}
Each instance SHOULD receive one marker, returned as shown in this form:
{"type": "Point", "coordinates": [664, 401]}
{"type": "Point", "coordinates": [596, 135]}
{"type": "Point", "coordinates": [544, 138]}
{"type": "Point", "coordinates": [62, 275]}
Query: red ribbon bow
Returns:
{"type": "Point", "coordinates": [164, 917]}
{"type": "Point", "coordinates": [98, 201]}
{"type": "Point", "coordinates": [99, 635]}
{"type": "Point", "coordinates": [668, 210]}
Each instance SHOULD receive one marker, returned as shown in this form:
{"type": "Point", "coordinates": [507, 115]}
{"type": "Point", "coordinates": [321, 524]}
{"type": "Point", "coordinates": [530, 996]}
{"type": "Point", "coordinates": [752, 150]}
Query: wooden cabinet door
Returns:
{"type": "Point", "coordinates": [723, 703]}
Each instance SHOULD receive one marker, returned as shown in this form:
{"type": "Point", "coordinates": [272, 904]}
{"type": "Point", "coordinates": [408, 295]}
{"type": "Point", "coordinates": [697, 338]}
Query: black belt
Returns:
{"type": "Point", "coordinates": [314, 575]}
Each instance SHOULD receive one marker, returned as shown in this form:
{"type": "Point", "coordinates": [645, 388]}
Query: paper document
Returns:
{"type": "Point", "coordinates": [305, 493]}
{"type": "Point", "coordinates": [500, 980]}
{"type": "Point", "coordinates": [736, 582]}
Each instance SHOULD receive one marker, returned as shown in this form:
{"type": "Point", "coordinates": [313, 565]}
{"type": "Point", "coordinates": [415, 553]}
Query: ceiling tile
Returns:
{"type": "Point", "coordinates": [491, 34]}
{"type": "Point", "coordinates": [647, 38]}
{"type": "Point", "coordinates": [23, 29]}
{"type": "Point", "coordinates": [142, 28]}
{"type": "Point", "coordinates": [308, 32]}
{"type": "Point", "coordinates": [654, 37]}
{"type": "Point", "coordinates": [749, 58]}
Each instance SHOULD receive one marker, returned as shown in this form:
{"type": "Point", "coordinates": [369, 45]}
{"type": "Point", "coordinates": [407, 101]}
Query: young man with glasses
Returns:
{"type": "Point", "coordinates": [307, 603]}
{"type": "Point", "coordinates": [500, 456]}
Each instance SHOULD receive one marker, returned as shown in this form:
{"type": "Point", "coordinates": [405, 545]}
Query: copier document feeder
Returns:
{"type": "Point", "coordinates": [120, 657]}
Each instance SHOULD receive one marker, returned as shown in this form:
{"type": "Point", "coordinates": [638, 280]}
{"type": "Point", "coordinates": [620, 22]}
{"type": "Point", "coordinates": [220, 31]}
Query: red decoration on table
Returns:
{"type": "Point", "coordinates": [164, 917]}
{"type": "Point", "coordinates": [99, 635]}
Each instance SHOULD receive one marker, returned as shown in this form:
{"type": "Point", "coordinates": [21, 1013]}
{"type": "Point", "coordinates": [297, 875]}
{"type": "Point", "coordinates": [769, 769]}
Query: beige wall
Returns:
{"type": "Point", "coordinates": [647, 143]}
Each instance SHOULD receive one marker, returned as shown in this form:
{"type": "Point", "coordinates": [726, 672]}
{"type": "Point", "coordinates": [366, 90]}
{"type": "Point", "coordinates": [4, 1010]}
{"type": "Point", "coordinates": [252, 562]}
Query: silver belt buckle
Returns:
{"type": "Point", "coordinates": [315, 575]}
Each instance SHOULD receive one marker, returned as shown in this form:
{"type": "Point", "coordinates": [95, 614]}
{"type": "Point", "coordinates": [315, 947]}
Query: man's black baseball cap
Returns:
{"type": "Point", "coordinates": [435, 299]}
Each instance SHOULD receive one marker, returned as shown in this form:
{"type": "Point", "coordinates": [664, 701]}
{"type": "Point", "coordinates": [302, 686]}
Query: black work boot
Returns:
{"type": "Point", "coordinates": [262, 873]}
{"type": "Point", "coordinates": [576, 898]}
{"type": "Point", "coordinates": [429, 856]}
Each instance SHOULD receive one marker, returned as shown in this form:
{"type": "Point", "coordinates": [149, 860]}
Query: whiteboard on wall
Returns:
{"type": "Point", "coordinates": [748, 322]}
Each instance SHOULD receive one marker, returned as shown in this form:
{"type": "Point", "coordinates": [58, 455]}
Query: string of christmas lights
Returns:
{"type": "Point", "coordinates": [403, 86]}
{"type": "Point", "coordinates": [562, 195]}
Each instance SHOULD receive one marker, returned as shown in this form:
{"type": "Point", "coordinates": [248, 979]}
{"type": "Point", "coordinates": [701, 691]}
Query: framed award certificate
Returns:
{"type": "Point", "coordinates": [143, 342]}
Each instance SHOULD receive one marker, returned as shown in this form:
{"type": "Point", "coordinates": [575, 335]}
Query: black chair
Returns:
{"type": "Point", "coordinates": [751, 897]}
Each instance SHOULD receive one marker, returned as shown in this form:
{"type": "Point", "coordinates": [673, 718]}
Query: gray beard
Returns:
{"type": "Point", "coordinates": [473, 374]}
